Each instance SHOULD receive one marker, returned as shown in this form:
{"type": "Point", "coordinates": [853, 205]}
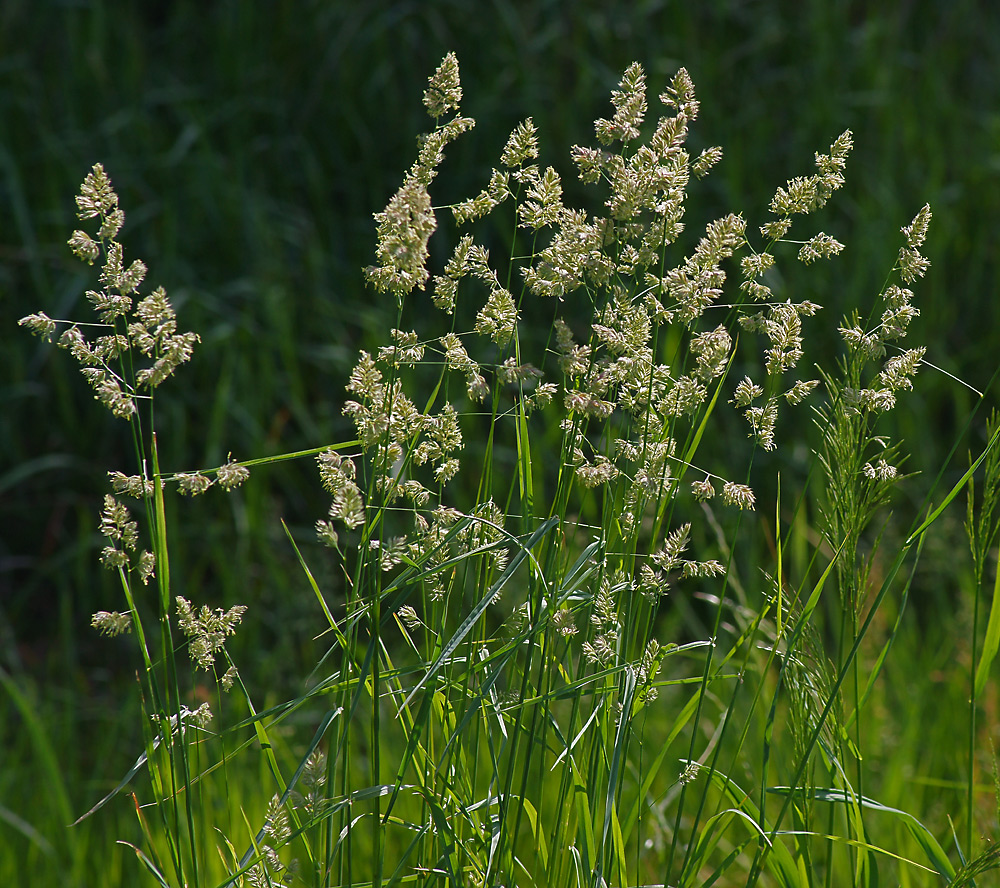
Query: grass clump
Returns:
{"type": "Point", "coordinates": [556, 656]}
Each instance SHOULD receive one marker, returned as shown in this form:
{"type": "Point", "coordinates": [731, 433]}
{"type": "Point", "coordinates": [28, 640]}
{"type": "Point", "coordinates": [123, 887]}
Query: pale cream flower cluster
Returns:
{"type": "Point", "coordinates": [897, 371]}
{"type": "Point", "coordinates": [149, 331]}
{"type": "Point", "coordinates": [622, 289]}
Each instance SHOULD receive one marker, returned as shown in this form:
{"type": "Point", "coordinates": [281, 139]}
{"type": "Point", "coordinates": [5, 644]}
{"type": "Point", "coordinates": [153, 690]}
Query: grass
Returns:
{"type": "Point", "coordinates": [269, 352]}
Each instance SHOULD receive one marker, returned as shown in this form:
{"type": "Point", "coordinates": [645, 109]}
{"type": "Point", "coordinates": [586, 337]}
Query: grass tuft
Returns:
{"type": "Point", "coordinates": [556, 632]}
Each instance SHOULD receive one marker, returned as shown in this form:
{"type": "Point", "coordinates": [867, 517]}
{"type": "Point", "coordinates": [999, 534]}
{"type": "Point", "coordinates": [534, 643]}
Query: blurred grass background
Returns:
{"type": "Point", "coordinates": [250, 144]}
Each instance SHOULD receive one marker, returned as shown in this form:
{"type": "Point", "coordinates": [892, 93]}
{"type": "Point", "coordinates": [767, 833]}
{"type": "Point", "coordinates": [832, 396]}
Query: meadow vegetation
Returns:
{"type": "Point", "coordinates": [614, 580]}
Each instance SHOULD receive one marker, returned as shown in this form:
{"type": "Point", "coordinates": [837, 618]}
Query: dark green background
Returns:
{"type": "Point", "coordinates": [251, 142]}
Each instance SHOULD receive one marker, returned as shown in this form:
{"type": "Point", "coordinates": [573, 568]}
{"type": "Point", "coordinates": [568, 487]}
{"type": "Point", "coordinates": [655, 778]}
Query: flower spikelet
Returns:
{"type": "Point", "coordinates": [897, 372]}
{"type": "Point", "coordinates": [132, 485]}
{"type": "Point", "coordinates": [84, 247]}
{"type": "Point", "coordinates": [409, 616]}
{"type": "Point", "coordinates": [867, 345]}
{"type": "Point", "coordinates": [698, 282]}
{"type": "Point", "coordinates": [542, 206]}
{"type": "Point", "coordinates": [763, 420]}
{"type": "Point", "coordinates": [444, 437]}
{"type": "Point", "coordinates": [455, 355]}
{"type": "Point", "coordinates": [589, 163]}
{"type": "Point", "coordinates": [898, 312]}
{"type": "Point", "coordinates": [337, 475]}
{"type": "Point", "coordinates": [111, 623]}
{"type": "Point", "coordinates": [117, 525]}
{"type": "Point", "coordinates": [680, 95]}
{"type": "Point", "coordinates": [706, 160]}
{"type": "Point", "coordinates": [457, 267]}
{"type": "Point", "coordinates": [207, 630]}
{"type": "Point", "coordinates": [407, 352]}
{"type": "Point", "coordinates": [176, 350]}
{"type": "Point", "coordinates": [784, 328]}
{"type": "Point", "coordinates": [575, 253]}
{"type": "Point", "coordinates": [703, 490]}
{"type": "Point", "coordinates": [746, 391]}
{"type": "Point", "coordinates": [498, 317]}
{"type": "Point", "coordinates": [486, 531]}
{"type": "Point", "coordinates": [601, 471]}
{"type": "Point", "coordinates": [109, 305]}
{"type": "Point", "coordinates": [573, 359]}
{"type": "Point", "coordinates": [604, 618]}
{"type": "Point", "coordinates": [776, 229]}
{"type": "Point", "coordinates": [40, 324]}
{"type": "Point", "coordinates": [740, 495]}
{"type": "Point", "coordinates": [916, 231]}
{"type": "Point", "coordinates": [798, 392]}
{"type": "Point", "coordinates": [231, 475]}
{"type": "Point", "coordinates": [911, 264]}
{"type": "Point", "coordinates": [146, 566]}
{"type": "Point", "coordinates": [366, 379]}
{"type": "Point", "coordinates": [712, 351]}
{"type": "Point", "coordinates": [404, 228]}
{"type": "Point", "coordinates": [483, 203]}
{"type": "Point", "coordinates": [630, 108]}
{"type": "Point", "coordinates": [667, 557]}
{"type": "Point", "coordinates": [444, 91]}
{"type": "Point", "coordinates": [193, 483]}
{"type": "Point", "coordinates": [654, 578]}
{"type": "Point", "coordinates": [879, 471]}
{"type": "Point", "coordinates": [804, 194]}
{"type": "Point", "coordinates": [819, 246]}
{"type": "Point", "coordinates": [562, 621]}
{"type": "Point", "coordinates": [756, 264]}
{"type": "Point", "coordinates": [155, 311]}
{"type": "Point", "coordinates": [686, 396]}
{"type": "Point", "coordinates": [522, 145]}
{"type": "Point", "coordinates": [96, 197]}
{"type": "Point", "coordinates": [113, 304]}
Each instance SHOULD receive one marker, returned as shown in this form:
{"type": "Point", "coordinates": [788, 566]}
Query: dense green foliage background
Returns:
{"type": "Point", "coordinates": [251, 143]}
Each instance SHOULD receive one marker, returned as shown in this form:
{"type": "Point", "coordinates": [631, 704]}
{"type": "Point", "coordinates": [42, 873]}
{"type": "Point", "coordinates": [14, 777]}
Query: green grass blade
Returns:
{"type": "Point", "coordinates": [935, 853]}
{"type": "Point", "coordinates": [324, 724]}
{"type": "Point", "coordinates": [315, 588]}
{"type": "Point", "coordinates": [991, 644]}
{"type": "Point", "coordinates": [584, 818]}
{"type": "Point", "coordinates": [477, 612]}
{"type": "Point", "coordinates": [151, 868]}
{"type": "Point", "coordinates": [779, 861]}
{"type": "Point", "coordinates": [954, 492]}
{"type": "Point", "coordinates": [524, 476]}
{"type": "Point", "coordinates": [617, 754]}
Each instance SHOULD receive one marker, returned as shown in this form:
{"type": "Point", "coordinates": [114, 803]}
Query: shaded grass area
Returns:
{"type": "Point", "coordinates": [252, 147]}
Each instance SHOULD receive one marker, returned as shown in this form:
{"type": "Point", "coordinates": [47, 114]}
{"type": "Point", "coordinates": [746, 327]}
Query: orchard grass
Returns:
{"type": "Point", "coordinates": [559, 652]}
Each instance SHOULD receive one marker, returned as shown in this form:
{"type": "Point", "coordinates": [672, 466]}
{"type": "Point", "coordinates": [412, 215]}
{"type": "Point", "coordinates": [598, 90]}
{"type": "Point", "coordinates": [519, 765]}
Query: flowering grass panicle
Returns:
{"type": "Point", "coordinates": [548, 657]}
{"type": "Point", "coordinates": [131, 349]}
{"type": "Point", "coordinates": [147, 329]}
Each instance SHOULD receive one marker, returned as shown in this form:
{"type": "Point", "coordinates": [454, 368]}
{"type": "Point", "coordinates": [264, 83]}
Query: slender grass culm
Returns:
{"type": "Point", "coordinates": [561, 653]}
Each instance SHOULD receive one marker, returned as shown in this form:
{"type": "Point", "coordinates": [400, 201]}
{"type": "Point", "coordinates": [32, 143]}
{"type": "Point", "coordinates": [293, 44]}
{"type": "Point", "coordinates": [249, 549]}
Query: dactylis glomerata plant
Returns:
{"type": "Point", "coordinates": [518, 511]}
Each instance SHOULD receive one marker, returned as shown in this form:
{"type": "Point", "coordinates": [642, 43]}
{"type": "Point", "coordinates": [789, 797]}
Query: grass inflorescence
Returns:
{"type": "Point", "coordinates": [554, 647]}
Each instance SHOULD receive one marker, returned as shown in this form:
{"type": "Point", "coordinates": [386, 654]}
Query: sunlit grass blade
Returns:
{"type": "Point", "coordinates": [584, 818]}
{"type": "Point", "coordinates": [523, 552]}
{"type": "Point", "coordinates": [935, 853]}
{"type": "Point", "coordinates": [316, 590]}
{"type": "Point", "coordinates": [780, 861]}
{"type": "Point", "coordinates": [955, 490]}
{"type": "Point", "coordinates": [617, 756]}
{"type": "Point", "coordinates": [317, 738]}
